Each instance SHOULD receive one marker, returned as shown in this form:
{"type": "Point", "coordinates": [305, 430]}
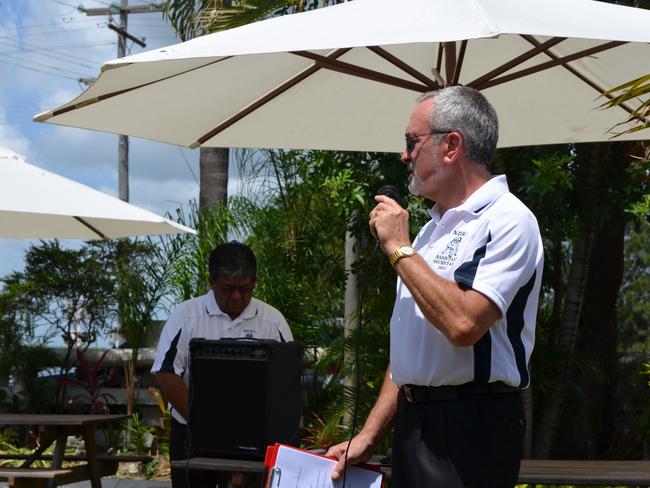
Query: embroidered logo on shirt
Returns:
{"type": "Point", "coordinates": [248, 333]}
{"type": "Point", "coordinates": [448, 256]}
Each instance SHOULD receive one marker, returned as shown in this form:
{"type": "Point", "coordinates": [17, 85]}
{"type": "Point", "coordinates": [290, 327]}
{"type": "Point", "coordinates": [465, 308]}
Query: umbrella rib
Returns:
{"type": "Point", "coordinates": [439, 58]}
{"type": "Point", "coordinates": [354, 70]}
{"type": "Point", "coordinates": [551, 64]}
{"type": "Point", "coordinates": [99, 98]}
{"type": "Point", "coordinates": [83, 222]}
{"type": "Point", "coordinates": [450, 61]}
{"type": "Point", "coordinates": [459, 63]}
{"type": "Point", "coordinates": [265, 99]}
{"type": "Point", "coordinates": [478, 82]}
{"type": "Point", "coordinates": [408, 69]}
{"type": "Point", "coordinates": [582, 77]}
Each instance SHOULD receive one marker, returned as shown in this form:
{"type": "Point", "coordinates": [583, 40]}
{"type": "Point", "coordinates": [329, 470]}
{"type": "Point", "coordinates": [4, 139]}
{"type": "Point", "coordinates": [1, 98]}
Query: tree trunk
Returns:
{"type": "Point", "coordinates": [591, 158]}
{"type": "Point", "coordinates": [213, 176]}
{"type": "Point", "coordinates": [588, 426]}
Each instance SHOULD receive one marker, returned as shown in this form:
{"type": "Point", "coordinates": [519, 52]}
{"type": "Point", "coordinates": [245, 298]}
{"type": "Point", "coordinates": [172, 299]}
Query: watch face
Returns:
{"type": "Point", "coordinates": [407, 250]}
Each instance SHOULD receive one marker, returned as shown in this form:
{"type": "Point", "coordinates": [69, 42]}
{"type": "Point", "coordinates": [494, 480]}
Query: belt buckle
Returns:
{"type": "Point", "coordinates": [408, 394]}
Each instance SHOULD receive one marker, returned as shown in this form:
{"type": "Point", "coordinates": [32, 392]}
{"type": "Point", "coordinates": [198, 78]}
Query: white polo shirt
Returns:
{"type": "Point", "coordinates": [201, 317]}
{"type": "Point", "coordinates": [491, 243]}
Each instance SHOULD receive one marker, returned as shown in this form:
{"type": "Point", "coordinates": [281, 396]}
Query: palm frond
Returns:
{"type": "Point", "coordinates": [633, 90]}
{"type": "Point", "coordinates": [190, 18]}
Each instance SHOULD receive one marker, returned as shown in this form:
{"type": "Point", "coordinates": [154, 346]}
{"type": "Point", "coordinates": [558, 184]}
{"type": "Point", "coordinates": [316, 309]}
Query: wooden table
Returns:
{"type": "Point", "coordinates": [55, 429]}
{"type": "Point", "coordinates": [551, 471]}
{"type": "Point", "coordinates": [546, 471]}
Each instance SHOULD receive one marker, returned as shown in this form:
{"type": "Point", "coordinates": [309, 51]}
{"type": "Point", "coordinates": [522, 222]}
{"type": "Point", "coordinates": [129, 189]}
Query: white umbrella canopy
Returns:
{"type": "Point", "coordinates": [35, 203]}
{"type": "Point", "coordinates": [345, 77]}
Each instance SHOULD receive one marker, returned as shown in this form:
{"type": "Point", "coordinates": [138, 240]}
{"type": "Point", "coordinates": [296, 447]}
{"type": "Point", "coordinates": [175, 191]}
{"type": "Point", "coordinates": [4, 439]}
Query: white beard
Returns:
{"type": "Point", "coordinates": [415, 182]}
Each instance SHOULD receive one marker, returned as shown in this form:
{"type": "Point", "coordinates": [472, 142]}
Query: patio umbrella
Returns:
{"type": "Point", "coordinates": [35, 203]}
{"type": "Point", "coordinates": [345, 77]}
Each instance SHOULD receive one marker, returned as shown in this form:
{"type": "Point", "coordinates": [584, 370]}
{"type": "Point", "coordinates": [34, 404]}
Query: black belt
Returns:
{"type": "Point", "coordinates": [419, 394]}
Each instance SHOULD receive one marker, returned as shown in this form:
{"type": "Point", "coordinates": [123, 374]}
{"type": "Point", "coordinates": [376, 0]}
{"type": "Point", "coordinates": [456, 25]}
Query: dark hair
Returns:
{"type": "Point", "coordinates": [467, 111]}
{"type": "Point", "coordinates": [232, 259]}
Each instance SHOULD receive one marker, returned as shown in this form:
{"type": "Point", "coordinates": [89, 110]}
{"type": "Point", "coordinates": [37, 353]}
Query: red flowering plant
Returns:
{"type": "Point", "coordinates": [92, 379]}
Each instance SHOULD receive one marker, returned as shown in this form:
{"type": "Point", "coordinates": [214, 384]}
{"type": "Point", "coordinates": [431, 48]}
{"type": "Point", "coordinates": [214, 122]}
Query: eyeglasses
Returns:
{"type": "Point", "coordinates": [411, 141]}
{"type": "Point", "coordinates": [243, 290]}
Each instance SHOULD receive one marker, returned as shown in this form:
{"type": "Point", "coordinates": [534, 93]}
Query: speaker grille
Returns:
{"type": "Point", "coordinates": [244, 395]}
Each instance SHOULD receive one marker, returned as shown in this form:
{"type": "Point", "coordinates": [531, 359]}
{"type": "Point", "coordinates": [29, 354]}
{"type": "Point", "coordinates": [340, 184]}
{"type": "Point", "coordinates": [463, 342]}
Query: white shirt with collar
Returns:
{"type": "Point", "coordinates": [492, 244]}
{"type": "Point", "coordinates": [201, 317]}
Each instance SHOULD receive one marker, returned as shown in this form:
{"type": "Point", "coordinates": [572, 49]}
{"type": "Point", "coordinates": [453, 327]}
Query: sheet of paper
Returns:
{"type": "Point", "coordinates": [300, 469]}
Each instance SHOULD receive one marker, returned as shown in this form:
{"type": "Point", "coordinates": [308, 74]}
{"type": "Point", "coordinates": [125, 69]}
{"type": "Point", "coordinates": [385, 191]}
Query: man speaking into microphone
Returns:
{"type": "Point", "coordinates": [463, 324]}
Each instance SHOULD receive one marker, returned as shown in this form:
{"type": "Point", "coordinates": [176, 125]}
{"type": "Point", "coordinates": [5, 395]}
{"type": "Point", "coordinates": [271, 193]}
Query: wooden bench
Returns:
{"type": "Point", "coordinates": [40, 477]}
{"type": "Point", "coordinates": [585, 472]}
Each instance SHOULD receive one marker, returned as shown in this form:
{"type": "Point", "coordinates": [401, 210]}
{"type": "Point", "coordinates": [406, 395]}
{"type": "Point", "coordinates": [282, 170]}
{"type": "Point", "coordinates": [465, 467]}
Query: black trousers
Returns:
{"type": "Point", "coordinates": [190, 478]}
{"type": "Point", "coordinates": [474, 441]}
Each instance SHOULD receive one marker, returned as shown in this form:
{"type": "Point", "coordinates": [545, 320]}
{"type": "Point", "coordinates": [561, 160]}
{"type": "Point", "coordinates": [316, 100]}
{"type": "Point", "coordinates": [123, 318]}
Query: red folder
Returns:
{"type": "Point", "coordinates": [281, 461]}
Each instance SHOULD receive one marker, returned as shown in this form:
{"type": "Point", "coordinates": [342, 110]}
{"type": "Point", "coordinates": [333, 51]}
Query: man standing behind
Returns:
{"type": "Point", "coordinates": [228, 310]}
{"type": "Point", "coordinates": [463, 325]}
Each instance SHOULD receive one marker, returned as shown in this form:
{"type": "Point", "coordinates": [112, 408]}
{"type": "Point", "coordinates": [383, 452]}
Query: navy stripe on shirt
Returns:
{"type": "Point", "coordinates": [483, 358]}
{"type": "Point", "coordinates": [464, 276]}
{"type": "Point", "coordinates": [168, 362]}
{"type": "Point", "coordinates": [466, 272]}
{"type": "Point", "coordinates": [515, 321]}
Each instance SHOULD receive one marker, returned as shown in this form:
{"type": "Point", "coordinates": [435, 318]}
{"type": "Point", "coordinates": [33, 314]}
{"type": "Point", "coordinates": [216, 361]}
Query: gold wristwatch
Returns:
{"type": "Point", "coordinates": [401, 252]}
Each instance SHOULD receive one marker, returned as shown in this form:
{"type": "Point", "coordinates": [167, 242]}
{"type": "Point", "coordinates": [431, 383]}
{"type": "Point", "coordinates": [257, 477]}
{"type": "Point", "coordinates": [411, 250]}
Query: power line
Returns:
{"type": "Point", "coordinates": [187, 163]}
{"type": "Point", "coordinates": [43, 65]}
{"type": "Point", "coordinates": [150, 26]}
{"type": "Point", "coordinates": [38, 70]}
{"type": "Point", "coordinates": [52, 24]}
{"type": "Point", "coordinates": [71, 46]}
{"type": "Point", "coordinates": [51, 32]}
{"type": "Point", "coordinates": [37, 49]}
{"type": "Point", "coordinates": [161, 37]}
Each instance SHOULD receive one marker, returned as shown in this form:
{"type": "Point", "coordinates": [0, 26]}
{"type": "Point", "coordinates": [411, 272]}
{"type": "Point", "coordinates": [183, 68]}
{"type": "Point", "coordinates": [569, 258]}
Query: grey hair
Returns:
{"type": "Point", "coordinates": [467, 111]}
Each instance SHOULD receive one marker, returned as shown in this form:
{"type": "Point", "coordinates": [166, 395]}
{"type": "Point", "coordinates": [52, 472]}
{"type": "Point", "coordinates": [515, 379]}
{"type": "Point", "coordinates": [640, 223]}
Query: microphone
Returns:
{"type": "Point", "coordinates": [390, 191]}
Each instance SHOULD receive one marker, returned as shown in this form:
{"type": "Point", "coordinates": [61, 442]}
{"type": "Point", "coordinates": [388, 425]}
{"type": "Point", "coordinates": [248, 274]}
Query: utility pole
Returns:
{"type": "Point", "coordinates": [123, 141]}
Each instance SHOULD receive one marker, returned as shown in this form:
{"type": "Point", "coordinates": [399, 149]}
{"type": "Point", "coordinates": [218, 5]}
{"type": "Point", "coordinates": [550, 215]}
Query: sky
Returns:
{"type": "Point", "coordinates": [46, 46]}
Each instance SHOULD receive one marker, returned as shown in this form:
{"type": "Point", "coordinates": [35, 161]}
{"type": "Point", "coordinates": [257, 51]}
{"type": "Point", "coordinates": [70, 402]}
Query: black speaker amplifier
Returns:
{"type": "Point", "coordinates": [244, 395]}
